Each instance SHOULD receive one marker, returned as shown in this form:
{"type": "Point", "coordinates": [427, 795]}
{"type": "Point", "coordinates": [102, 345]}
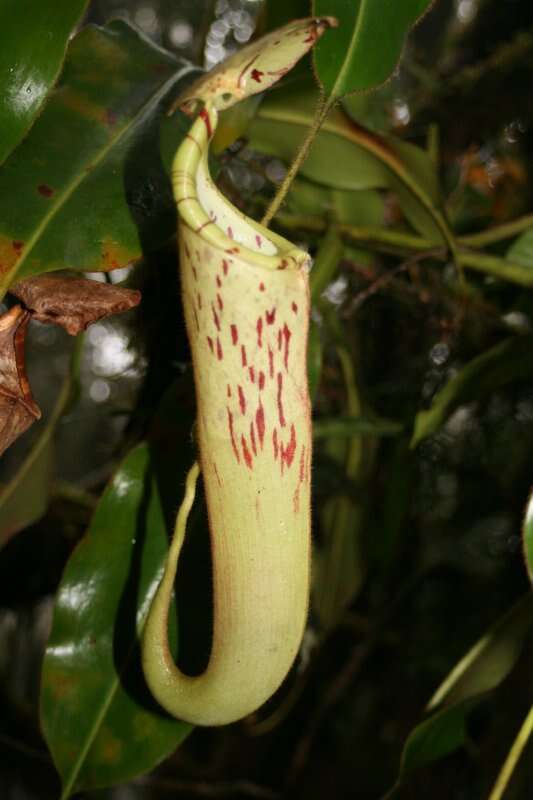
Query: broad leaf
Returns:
{"type": "Point", "coordinates": [490, 660]}
{"type": "Point", "coordinates": [34, 39]}
{"type": "Point", "coordinates": [99, 719]}
{"type": "Point", "coordinates": [364, 50]}
{"type": "Point", "coordinates": [435, 738]}
{"type": "Point", "coordinates": [86, 189]}
{"type": "Point", "coordinates": [510, 360]}
{"type": "Point", "coordinates": [481, 670]}
{"type": "Point", "coordinates": [362, 159]}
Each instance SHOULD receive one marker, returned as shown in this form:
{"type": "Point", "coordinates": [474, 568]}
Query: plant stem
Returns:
{"type": "Point", "coordinates": [385, 240]}
{"type": "Point", "coordinates": [498, 232]}
{"type": "Point", "coordinates": [511, 761]}
{"type": "Point", "coordinates": [322, 110]}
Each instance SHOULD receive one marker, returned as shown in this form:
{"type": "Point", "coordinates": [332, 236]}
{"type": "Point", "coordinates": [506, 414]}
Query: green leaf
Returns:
{"type": "Point", "coordinates": [86, 189]}
{"type": "Point", "coordinates": [435, 738]}
{"type": "Point", "coordinates": [355, 426]}
{"type": "Point", "coordinates": [481, 670]}
{"type": "Point", "coordinates": [99, 720]}
{"type": "Point", "coordinates": [364, 50]}
{"type": "Point", "coordinates": [521, 250]}
{"type": "Point", "coordinates": [418, 166]}
{"type": "Point", "coordinates": [326, 263]}
{"type": "Point", "coordinates": [281, 123]}
{"type": "Point", "coordinates": [362, 159]}
{"type": "Point", "coordinates": [34, 39]}
{"type": "Point", "coordinates": [24, 498]}
{"type": "Point", "coordinates": [510, 360]}
{"type": "Point", "coordinates": [366, 207]}
{"type": "Point", "coordinates": [490, 660]}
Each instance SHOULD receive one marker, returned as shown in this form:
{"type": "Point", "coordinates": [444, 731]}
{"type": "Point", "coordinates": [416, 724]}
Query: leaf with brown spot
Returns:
{"type": "Point", "coordinates": [72, 302]}
{"type": "Point", "coordinates": [18, 410]}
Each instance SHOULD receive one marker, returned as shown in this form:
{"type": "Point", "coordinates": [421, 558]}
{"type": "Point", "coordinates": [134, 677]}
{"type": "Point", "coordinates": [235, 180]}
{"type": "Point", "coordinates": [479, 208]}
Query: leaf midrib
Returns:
{"type": "Point", "coordinates": [78, 179]}
{"type": "Point", "coordinates": [335, 94]}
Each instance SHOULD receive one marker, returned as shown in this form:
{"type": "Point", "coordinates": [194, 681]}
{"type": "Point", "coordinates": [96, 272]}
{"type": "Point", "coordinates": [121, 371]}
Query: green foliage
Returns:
{"type": "Point", "coordinates": [34, 39]}
{"type": "Point", "coordinates": [366, 47]}
{"type": "Point", "coordinates": [363, 160]}
{"type": "Point", "coordinates": [100, 723]}
{"type": "Point", "coordinates": [84, 188]}
{"type": "Point", "coordinates": [481, 670]}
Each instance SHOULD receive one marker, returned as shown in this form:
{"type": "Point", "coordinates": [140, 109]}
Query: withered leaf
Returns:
{"type": "Point", "coordinates": [18, 410]}
{"type": "Point", "coordinates": [72, 302]}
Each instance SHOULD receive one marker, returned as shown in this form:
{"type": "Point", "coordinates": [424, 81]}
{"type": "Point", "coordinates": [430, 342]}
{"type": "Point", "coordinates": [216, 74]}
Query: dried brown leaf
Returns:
{"type": "Point", "coordinates": [72, 302]}
{"type": "Point", "coordinates": [18, 410]}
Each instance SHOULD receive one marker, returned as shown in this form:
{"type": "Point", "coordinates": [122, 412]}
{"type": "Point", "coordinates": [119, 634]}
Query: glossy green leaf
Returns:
{"type": "Point", "coordinates": [510, 360]}
{"type": "Point", "coordinates": [24, 498]}
{"type": "Point", "coordinates": [363, 159]}
{"type": "Point", "coordinates": [366, 47]}
{"type": "Point", "coordinates": [86, 189]}
{"type": "Point", "coordinates": [521, 250]}
{"type": "Point", "coordinates": [481, 670]}
{"type": "Point", "coordinates": [34, 40]}
{"type": "Point", "coordinates": [99, 720]}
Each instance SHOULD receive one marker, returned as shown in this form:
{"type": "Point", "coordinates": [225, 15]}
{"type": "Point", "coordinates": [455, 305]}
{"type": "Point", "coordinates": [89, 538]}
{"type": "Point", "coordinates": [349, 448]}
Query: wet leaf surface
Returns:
{"type": "Point", "coordinates": [366, 47]}
{"type": "Point", "coordinates": [34, 39]}
{"type": "Point", "coordinates": [99, 720]}
{"type": "Point", "coordinates": [87, 189]}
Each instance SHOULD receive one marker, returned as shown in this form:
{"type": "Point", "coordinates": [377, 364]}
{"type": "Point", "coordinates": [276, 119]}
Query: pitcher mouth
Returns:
{"type": "Point", "coordinates": [204, 209]}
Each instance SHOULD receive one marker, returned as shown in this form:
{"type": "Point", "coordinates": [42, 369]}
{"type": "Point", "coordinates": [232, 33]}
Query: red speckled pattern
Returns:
{"type": "Point", "coordinates": [248, 331]}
